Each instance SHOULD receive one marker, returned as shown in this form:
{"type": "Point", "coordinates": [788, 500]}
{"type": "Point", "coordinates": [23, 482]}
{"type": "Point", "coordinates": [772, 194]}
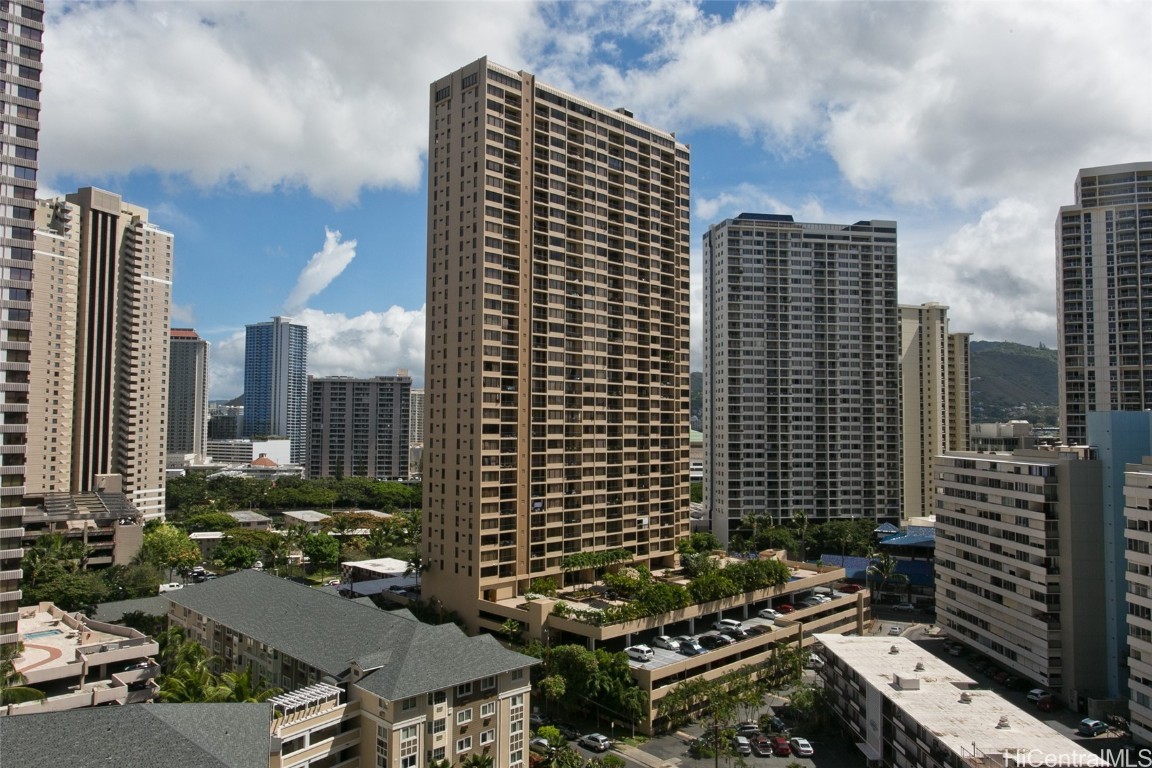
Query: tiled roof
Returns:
{"type": "Point", "coordinates": [113, 612]}
{"type": "Point", "coordinates": [142, 736]}
{"type": "Point", "coordinates": [330, 633]}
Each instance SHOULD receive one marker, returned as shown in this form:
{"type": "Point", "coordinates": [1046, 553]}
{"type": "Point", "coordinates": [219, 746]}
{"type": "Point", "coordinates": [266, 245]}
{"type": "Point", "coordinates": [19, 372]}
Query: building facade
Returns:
{"type": "Point", "coordinates": [187, 393]}
{"type": "Point", "coordinates": [935, 399]}
{"type": "Point", "coordinates": [801, 371]}
{"type": "Point", "coordinates": [20, 120]}
{"type": "Point", "coordinates": [1104, 269]}
{"type": "Point", "coordinates": [359, 427]}
{"type": "Point", "coordinates": [905, 708]}
{"type": "Point", "coordinates": [1138, 595]}
{"type": "Point", "coordinates": [557, 375]}
{"type": "Point", "coordinates": [414, 692]}
{"type": "Point", "coordinates": [276, 383]}
{"type": "Point", "coordinates": [1019, 567]}
{"type": "Point", "coordinates": [115, 343]}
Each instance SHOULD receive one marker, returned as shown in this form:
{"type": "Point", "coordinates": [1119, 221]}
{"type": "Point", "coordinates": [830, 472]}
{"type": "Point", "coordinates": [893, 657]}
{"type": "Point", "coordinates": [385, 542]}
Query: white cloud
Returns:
{"type": "Point", "coordinates": [370, 344]}
{"type": "Point", "coordinates": [183, 315]}
{"type": "Point", "coordinates": [324, 267]}
{"type": "Point", "coordinates": [261, 95]}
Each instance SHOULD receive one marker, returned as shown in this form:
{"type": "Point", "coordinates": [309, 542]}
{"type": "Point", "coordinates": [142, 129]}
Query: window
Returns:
{"type": "Point", "coordinates": [438, 726]}
{"type": "Point", "coordinates": [488, 736]}
{"type": "Point", "coordinates": [464, 690]}
{"type": "Point", "coordinates": [408, 704]}
{"type": "Point", "coordinates": [488, 683]}
{"type": "Point", "coordinates": [464, 716]}
{"type": "Point", "coordinates": [518, 674]}
{"type": "Point", "coordinates": [464, 744]}
{"type": "Point", "coordinates": [488, 709]}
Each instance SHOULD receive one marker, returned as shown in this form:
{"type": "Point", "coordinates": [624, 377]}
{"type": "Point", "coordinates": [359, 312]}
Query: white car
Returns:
{"type": "Point", "coordinates": [894, 630]}
{"type": "Point", "coordinates": [597, 742]}
{"type": "Point", "coordinates": [768, 613]}
{"type": "Point", "coordinates": [800, 747]}
{"type": "Point", "coordinates": [665, 642]}
{"type": "Point", "coordinates": [171, 586]}
{"type": "Point", "coordinates": [814, 662]}
{"type": "Point", "coordinates": [724, 624]}
{"type": "Point", "coordinates": [639, 652]}
{"type": "Point", "coordinates": [1037, 693]}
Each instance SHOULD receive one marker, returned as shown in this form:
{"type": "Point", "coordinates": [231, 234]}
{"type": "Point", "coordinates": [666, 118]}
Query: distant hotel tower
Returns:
{"type": "Point", "coordinates": [1104, 258]}
{"type": "Point", "coordinates": [100, 328]}
{"type": "Point", "coordinates": [359, 427]}
{"type": "Point", "coordinates": [801, 371]}
{"type": "Point", "coordinates": [187, 393]}
{"type": "Point", "coordinates": [557, 373]}
{"type": "Point", "coordinates": [20, 120]}
{"type": "Point", "coordinates": [276, 383]}
{"type": "Point", "coordinates": [937, 410]}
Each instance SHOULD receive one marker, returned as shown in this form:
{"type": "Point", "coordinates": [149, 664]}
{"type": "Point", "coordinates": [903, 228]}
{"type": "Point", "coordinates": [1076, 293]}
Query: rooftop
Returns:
{"type": "Point", "coordinates": [306, 516]}
{"type": "Point", "coordinates": [933, 698]}
{"type": "Point", "coordinates": [53, 638]}
{"type": "Point", "coordinates": [249, 516]}
{"type": "Point", "coordinates": [408, 657]}
{"type": "Point", "coordinates": [154, 736]}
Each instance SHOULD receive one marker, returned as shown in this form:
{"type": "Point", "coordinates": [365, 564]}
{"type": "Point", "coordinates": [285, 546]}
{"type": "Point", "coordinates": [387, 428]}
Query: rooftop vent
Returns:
{"type": "Point", "coordinates": [1003, 722]}
{"type": "Point", "coordinates": [965, 698]}
{"type": "Point", "coordinates": [893, 650]}
{"type": "Point", "coordinates": [919, 666]}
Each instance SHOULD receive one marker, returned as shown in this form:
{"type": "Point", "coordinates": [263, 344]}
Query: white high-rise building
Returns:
{"type": "Point", "coordinates": [801, 371]}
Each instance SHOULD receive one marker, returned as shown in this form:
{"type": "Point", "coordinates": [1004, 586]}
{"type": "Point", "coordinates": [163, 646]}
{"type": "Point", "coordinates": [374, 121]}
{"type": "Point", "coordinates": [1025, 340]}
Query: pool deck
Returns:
{"type": "Point", "coordinates": [57, 649]}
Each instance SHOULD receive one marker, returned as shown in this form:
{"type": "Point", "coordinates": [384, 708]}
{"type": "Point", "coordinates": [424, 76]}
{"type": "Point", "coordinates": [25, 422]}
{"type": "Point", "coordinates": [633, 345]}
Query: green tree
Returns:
{"type": "Point", "coordinates": [242, 689]}
{"type": "Point", "coordinates": [566, 757]}
{"type": "Point", "coordinates": [321, 550]}
{"type": "Point", "coordinates": [12, 688]}
{"type": "Point", "coordinates": [477, 760]}
{"type": "Point", "coordinates": [237, 557]}
{"type": "Point", "coordinates": [552, 734]}
{"type": "Point", "coordinates": [512, 629]}
{"type": "Point", "coordinates": [883, 569]}
{"type": "Point", "coordinates": [168, 548]}
{"type": "Point", "coordinates": [208, 521]}
{"type": "Point", "coordinates": [696, 492]}
{"type": "Point", "coordinates": [128, 582]}
{"type": "Point", "coordinates": [69, 591]}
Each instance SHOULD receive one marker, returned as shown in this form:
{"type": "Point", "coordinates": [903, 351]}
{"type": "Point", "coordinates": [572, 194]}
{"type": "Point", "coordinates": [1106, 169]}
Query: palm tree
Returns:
{"type": "Point", "coordinates": [883, 567]}
{"type": "Point", "coordinates": [243, 690]}
{"type": "Point", "coordinates": [800, 521]}
{"type": "Point", "coordinates": [12, 688]}
{"type": "Point", "coordinates": [476, 760]}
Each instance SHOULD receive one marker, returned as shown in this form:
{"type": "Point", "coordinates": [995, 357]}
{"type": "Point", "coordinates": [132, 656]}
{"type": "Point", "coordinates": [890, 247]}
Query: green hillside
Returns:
{"type": "Point", "coordinates": [1014, 381]}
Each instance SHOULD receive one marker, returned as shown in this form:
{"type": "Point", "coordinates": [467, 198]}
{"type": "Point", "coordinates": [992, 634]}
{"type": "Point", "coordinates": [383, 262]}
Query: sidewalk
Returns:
{"type": "Point", "coordinates": [643, 758]}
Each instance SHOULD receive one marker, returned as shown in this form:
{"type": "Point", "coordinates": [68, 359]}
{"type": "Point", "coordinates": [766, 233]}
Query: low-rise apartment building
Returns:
{"type": "Point", "coordinates": [905, 708]}
{"type": "Point", "coordinates": [1020, 566]}
{"type": "Point", "coordinates": [106, 523]}
{"type": "Point", "coordinates": [372, 687]}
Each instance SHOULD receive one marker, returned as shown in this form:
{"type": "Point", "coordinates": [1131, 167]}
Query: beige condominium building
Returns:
{"type": "Point", "coordinates": [935, 399]}
{"type": "Point", "coordinates": [557, 372]}
{"type": "Point", "coordinates": [362, 686]}
{"type": "Point", "coordinates": [118, 269]}
{"type": "Point", "coordinates": [1103, 244]}
{"type": "Point", "coordinates": [359, 427]}
{"type": "Point", "coordinates": [1138, 561]}
{"type": "Point", "coordinates": [20, 120]}
{"type": "Point", "coordinates": [1019, 566]}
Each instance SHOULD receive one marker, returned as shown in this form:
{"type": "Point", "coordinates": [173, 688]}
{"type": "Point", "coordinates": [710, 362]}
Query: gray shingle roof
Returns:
{"type": "Point", "coordinates": [113, 612]}
{"type": "Point", "coordinates": [330, 632]}
{"type": "Point", "coordinates": [141, 736]}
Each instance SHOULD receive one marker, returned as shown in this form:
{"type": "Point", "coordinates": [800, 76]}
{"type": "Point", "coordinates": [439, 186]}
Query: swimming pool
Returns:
{"type": "Point", "coordinates": [42, 633]}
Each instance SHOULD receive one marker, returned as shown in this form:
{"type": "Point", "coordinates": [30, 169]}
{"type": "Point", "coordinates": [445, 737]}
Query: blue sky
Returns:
{"type": "Point", "coordinates": [257, 131]}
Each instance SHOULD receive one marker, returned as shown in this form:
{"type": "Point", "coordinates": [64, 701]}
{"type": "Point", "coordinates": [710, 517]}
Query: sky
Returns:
{"type": "Point", "coordinates": [284, 143]}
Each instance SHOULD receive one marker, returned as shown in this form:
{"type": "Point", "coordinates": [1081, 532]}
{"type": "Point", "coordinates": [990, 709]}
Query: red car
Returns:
{"type": "Point", "coordinates": [850, 589]}
{"type": "Point", "coordinates": [785, 608]}
{"type": "Point", "coordinates": [780, 746]}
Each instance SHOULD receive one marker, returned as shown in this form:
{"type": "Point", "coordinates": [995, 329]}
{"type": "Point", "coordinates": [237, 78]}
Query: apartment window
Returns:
{"type": "Point", "coordinates": [488, 710]}
{"type": "Point", "coordinates": [488, 736]}
{"type": "Point", "coordinates": [408, 704]}
{"type": "Point", "coordinates": [488, 683]}
{"type": "Point", "coordinates": [438, 726]}
{"type": "Point", "coordinates": [464, 690]}
{"type": "Point", "coordinates": [464, 744]}
{"type": "Point", "coordinates": [464, 716]}
{"type": "Point", "coordinates": [517, 674]}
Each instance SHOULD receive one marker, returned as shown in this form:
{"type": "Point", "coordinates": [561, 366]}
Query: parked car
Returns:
{"type": "Point", "coordinates": [665, 642]}
{"type": "Point", "coordinates": [568, 731]}
{"type": "Point", "coordinates": [761, 746]}
{"type": "Point", "coordinates": [747, 729]}
{"type": "Point", "coordinates": [597, 742]}
{"type": "Point", "coordinates": [690, 647]}
{"type": "Point", "coordinates": [1047, 703]}
{"type": "Point", "coordinates": [171, 586]}
{"type": "Point", "coordinates": [894, 630]}
{"type": "Point", "coordinates": [907, 607]}
{"type": "Point", "coordinates": [1036, 694]}
{"type": "Point", "coordinates": [776, 725]}
{"type": "Point", "coordinates": [956, 650]}
{"type": "Point", "coordinates": [780, 746]}
{"type": "Point", "coordinates": [768, 613]}
{"type": "Point", "coordinates": [640, 653]}
{"type": "Point", "coordinates": [810, 602]}
{"type": "Point", "coordinates": [540, 746]}
{"type": "Point", "coordinates": [1090, 727]}
{"type": "Point", "coordinates": [800, 747]}
{"type": "Point", "coordinates": [850, 589]}
{"type": "Point", "coordinates": [741, 745]}
{"type": "Point", "coordinates": [710, 642]}
{"type": "Point", "coordinates": [736, 633]}
{"type": "Point", "coordinates": [760, 629]}
{"type": "Point", "coordinates": [724, 624]}
{"type": "Point", "coordinates": [535, 720]}
{"type": "Point", "coordinates": [785, 608]}
{"type": "Point", "coordinates": [814, 662]}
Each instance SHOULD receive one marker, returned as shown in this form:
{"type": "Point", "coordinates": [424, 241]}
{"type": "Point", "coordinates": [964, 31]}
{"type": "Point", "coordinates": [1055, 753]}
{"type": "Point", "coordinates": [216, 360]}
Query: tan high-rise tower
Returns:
{"type": "Point", "coordinates": [557, 371]}
{"type": "Point", "coordinates": [104, 317]}
{"type": "Point", "coordinates": [934, 399]}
